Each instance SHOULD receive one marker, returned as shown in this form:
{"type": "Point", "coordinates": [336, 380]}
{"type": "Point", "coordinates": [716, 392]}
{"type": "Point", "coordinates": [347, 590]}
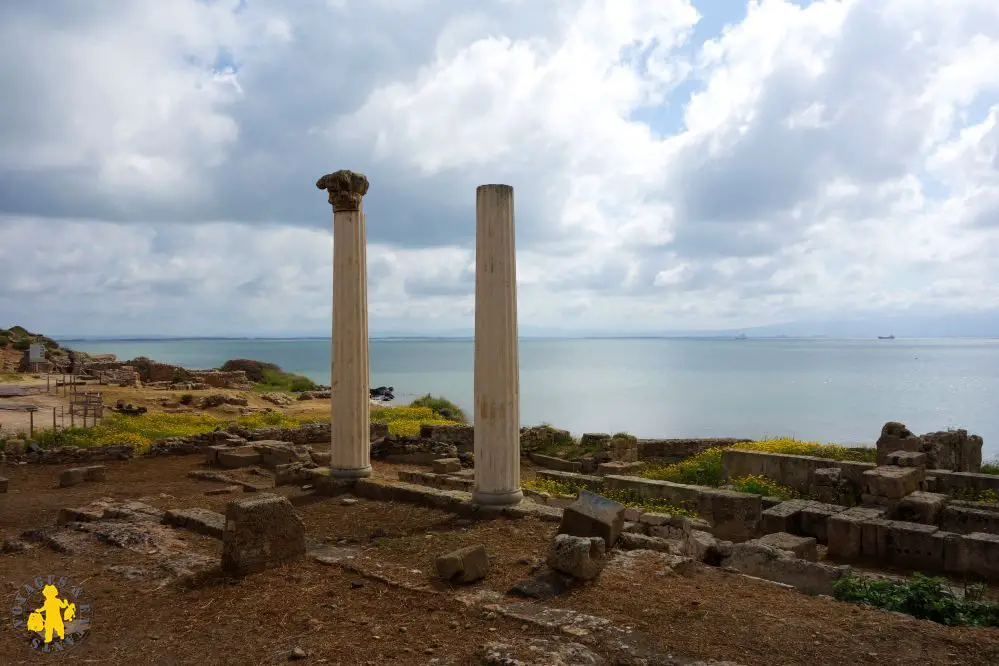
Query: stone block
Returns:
{"type": "Point", "coordinates": [770, 563]}
{"type": "Point", "coordinates": [259, 532]}
{"type": "Point", "coordinates": [785, 517]}
{"type": "Point", "coordinates": [955, 552]}
{"type": "Point", "coordinates": [826, 476]}
{"type": "Point", "coordinates": [653, 518]}
{"type": "Point", "coordinates": [72, 477]}
{"type": "Point", "coordinates": [551, 462]}
{"type": "Point", "coordinates": [982, 555]}
{"type": "Point", "coordinates": [4, 483]}
{"type": "Point", "coordinates": [734, 516]}
{"type": "Point", "coordinates": [844, 531]}
{"type": "Point", "coordinates": [212, 453]}
{"type": "Point", "coordinates": [906, 459]}
{"type": "Point", "coordinates": [803, 547]}
{"type": "Point", "coordinates": [704, 547]}
{"type": "Point", "coordinates": [921, 507]}
{"type": "Point", "coordinates": [967, 520]}
{"type": "Point", "coordinates": [81, 515]}
{"type": "Point", "coordinates": [621, 468]}
{"type": "Point", "coordinates": [666, 531]}
{"type": "Point", "coordinates": [591, 515]}
{"type": "Point", "coordinates": [893, 482]}
{"type": "Point", "coordinates": [628, 541]}
{"type": "Point", "coordinates": [321, 458]}
{"type": "Point", "coordinates": [896, 436]}
{"type": "Point", "coordinates": [95, 473]}
{"type": "Point", "coordinates": [196, 519]}
{"type": "Point", "coordinates": [446, 466]}
{"type": "Point", "coordinates": [910, 545]}
{"type": "Point", "coordinates": [240, 456]}
{"type": "Point", "coordinates": [633, 514]}
{"type": "Point", "coordinates": [465, 565]}
{"type": "Point", "coordinates": [634, 528]}
{"type": "Point", "coordinates": [813, 519]}
{"type": "Point", "coordinates": [579, 557]}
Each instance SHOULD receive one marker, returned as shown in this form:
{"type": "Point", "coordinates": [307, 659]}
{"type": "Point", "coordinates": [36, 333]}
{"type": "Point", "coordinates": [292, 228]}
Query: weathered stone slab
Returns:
{"type": "Point", "coordinates": [579, 557]}
{"type": "Point", "coordinates": [4, 484]}
{"type": "Point", "coordinates": [783, 567]}
{"type": "Point", "coordinates": [593, 515]}
{"type": "Point", "coordinates": [982, 555]}
{"type": "Point", "coordinates": [844, 531]}
{"type": "Point", "coordinates": [79, 515]}
{"type": "Point", "coordinates": [910, 545]}
{"type": "Point", "coordinates": [907, 459]}
{"type": "Point", "coordinates": [240, 456]}
{"type": "Point", "coordinates": [196, 519]}
{"type": "Point", "coordinates": [803, 547]}
{"type": "Point", "coordinates": [921, 507]}
{"type": "Point", "coordinates": [73, 476]}
{"type": "Point", "coordinates": [967, 520]}
{"type": "Point", "coordinates": [636, 541]}
{"type": "Point", "coordinates": [446, 466]}
{"type": "Point", "coordinates": [465, 565]}
{"type": "Point", "coordinates": [551, 462]}
{"type": "Point", "coordinates": [814, 517]}
{"type": "Point", "coordinates": [260, 532]}
{"type": "Point", "coordinates": [703, 547]}
{"type": "Point", "coordinates": [785, 517]}
{"type": "Point", "coordinates": [734, 516]}
{"type": "Point", "coordinates": [620, 468]}
{"type": "Point", "coordinates": [893, 482]}
{"type": "Point", "coordinates": [95, 473]}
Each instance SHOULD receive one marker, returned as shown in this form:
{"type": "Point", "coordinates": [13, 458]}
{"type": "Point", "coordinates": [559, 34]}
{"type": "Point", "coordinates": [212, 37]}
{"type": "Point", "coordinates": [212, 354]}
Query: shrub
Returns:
{"type": "Point", "coordinates": [22, 344]}
{"type": "Point", "coordinates": [703, 469]}
{"type": "Point", "coordinates": [406, 421]}
{"type": "Point", "coordinates": [921, 597]}
{"type": "Point", "coordinates": [276, 379]}
{"type": "Point", "coordinates": [990, 467]}
{"type": "Point", "coordinates": [187, 399]}
{"type": "Point", "coordinates": [443, 407]}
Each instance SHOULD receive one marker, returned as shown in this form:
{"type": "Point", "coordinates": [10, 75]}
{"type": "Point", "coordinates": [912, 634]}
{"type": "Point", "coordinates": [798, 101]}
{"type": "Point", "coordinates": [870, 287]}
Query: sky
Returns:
{"type": "Point", "coordinates": [678, 165]}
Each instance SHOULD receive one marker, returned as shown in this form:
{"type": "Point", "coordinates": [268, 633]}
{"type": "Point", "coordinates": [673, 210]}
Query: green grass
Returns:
{"type": "Point", "coordinates": [990, 467]}
{"type": "Point", "coordinates": [142, 430]}
{"type": "Point", "coordinates": [442, 407]}
{"type": "Point", "coordinates": [627, 498]}
{"type": "Point", "coordinates": [921, 597]}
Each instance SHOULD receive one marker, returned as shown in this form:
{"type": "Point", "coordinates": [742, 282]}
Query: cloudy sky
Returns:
{"type": "Point", "coordinates": [678, 164]}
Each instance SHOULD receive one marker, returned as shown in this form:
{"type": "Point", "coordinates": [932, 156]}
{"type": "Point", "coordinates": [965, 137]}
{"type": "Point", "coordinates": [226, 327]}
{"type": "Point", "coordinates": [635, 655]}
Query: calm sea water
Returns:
{"type": "Point", "coordinates": [829, 390]}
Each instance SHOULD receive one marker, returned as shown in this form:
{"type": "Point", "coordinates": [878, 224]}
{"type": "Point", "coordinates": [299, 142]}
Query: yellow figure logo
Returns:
{"type": "Point", "coordinates": [49, 618]}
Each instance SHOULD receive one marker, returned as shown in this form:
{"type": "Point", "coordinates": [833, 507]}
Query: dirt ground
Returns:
{"type": "Point", "coordinates": [341, 617]}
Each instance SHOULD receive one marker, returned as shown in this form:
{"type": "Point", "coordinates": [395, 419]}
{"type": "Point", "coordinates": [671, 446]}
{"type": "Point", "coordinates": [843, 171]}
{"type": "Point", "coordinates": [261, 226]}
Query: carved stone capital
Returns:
{"type": "Point", "coordinates": [346, 189]}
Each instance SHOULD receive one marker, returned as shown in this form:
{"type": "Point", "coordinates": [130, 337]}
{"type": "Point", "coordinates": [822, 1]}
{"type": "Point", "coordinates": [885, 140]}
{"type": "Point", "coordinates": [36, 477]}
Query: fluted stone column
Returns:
{"type": "Point", "coordinates": [497, 373]}
{"type": "Point", "coordinates": [350, 453]}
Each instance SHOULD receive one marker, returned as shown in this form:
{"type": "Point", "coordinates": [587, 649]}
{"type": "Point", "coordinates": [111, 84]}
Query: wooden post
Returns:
{"type": "Point", "coordinates": [84, 414]}
{"type": "Point", "coordinates": [31, 423]}
{"type": "Point", "coordinates": [72, 421]}
{"type": "Point", "coordinates": [54, 420]}
{"type": "Point", "coordinates": [48, 382]}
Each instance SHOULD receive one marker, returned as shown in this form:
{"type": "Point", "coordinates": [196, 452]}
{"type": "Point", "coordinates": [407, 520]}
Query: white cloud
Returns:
{"type": "Point", "coordinates": [836, 158]}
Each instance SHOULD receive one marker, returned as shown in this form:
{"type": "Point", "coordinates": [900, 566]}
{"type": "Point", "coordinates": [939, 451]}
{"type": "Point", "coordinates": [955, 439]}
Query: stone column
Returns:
{"type": "Point", "coordinates": [350, 453]}
{"type": "Point", "coordinates": [497, 373]}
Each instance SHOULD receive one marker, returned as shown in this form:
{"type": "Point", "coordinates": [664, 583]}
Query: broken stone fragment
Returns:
{"type": "Point", "coordinates": [260, 532]}
{"type": "Point", "coordinates": [72, 477]}
{"type": "Point", "coordinates": [465, 565]}
{"type": "Point", "coordinates": [579, 557]}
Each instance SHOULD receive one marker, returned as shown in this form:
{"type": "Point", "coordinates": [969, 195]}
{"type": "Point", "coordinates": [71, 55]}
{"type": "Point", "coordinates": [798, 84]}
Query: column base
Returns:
{"type": "Point", "coordinates": [504, 498]}
{"type": "Point", "coordinates": [354, 473]}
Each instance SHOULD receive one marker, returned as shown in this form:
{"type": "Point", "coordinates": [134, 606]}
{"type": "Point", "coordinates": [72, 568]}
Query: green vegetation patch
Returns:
{"type": "Point", "coordinates": [921, 597]}
{"type": "Point", "coordinates": [442, 407]}
{"type": "Point", "coordinates": [630, 499]}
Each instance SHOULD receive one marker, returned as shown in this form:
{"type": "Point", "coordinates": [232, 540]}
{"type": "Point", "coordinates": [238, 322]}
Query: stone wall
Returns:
{"type": "Point", "coordinates": [796, 472]}
{"type": "Point", "coordinates": [461, 436]}
{"type": "Point", "coordinates": [220, 378]}
{"type": "Point", "coordinates": [733, 515]}
{"type": "Point", "coordinates": [673, 450]}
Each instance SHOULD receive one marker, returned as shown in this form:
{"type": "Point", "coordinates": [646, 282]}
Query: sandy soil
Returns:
{"type": "Point", "coordinates": [339, 617]}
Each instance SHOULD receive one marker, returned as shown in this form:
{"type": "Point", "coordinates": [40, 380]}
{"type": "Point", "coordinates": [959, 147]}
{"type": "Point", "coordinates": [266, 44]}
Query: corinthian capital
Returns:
{"type": "Point", "coordinates": [346, 189]}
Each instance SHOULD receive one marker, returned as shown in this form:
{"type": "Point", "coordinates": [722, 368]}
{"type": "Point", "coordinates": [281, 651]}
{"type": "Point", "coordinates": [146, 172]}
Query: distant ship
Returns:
{"type": "Point", "coordinates": [741, 336]}
{"type": "Point", "coordinates": [886, 337]}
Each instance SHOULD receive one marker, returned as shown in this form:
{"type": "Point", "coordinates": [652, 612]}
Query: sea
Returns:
{"type": "Point", "coordinates": [840, 391]}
